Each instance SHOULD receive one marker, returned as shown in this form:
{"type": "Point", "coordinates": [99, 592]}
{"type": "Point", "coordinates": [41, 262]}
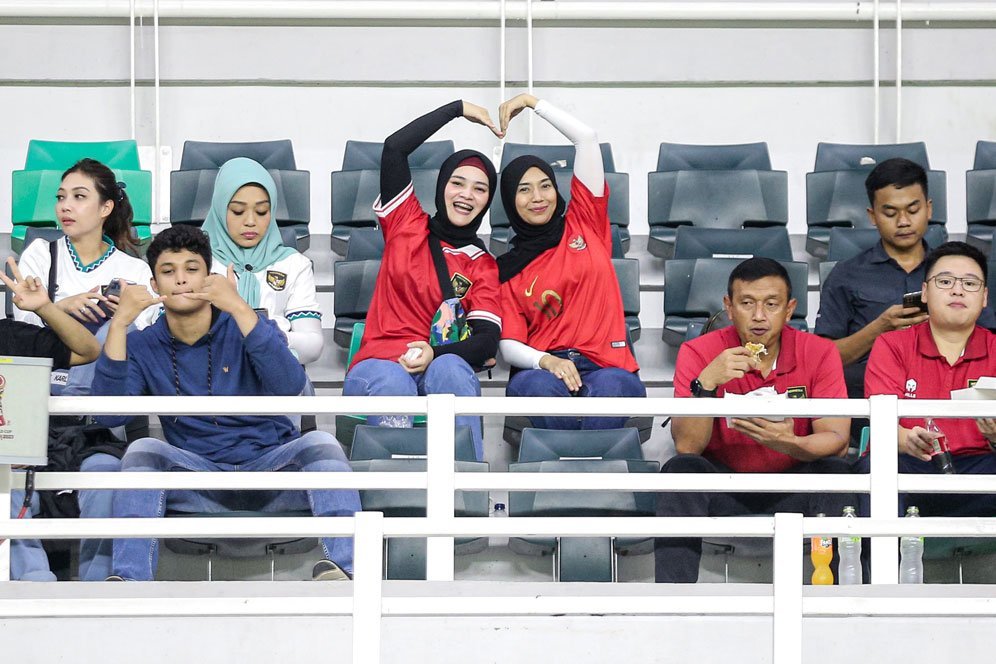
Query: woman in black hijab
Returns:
{"type": "Point", "coordinates": [563, 327]}
{"type": "Point", "coordinates": [409, 306]}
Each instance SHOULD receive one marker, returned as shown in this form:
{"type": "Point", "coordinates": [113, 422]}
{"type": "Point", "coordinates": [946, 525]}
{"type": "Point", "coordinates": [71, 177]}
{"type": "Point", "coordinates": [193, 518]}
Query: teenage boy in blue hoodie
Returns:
{"type": "Point", "coordinates": [210, 342]}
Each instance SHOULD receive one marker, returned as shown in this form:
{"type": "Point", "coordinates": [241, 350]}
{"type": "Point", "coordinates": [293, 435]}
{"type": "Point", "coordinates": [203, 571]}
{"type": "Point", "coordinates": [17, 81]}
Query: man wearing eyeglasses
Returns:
{"type": "Point", "coordinates": [949, 351]}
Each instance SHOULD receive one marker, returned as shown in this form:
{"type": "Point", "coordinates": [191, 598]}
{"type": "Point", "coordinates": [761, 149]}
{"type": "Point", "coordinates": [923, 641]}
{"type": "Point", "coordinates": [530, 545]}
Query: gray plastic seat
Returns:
{"type": "Point", "coordinates": [384, 449]}
{"type": "Point", "coordinates": [688, 157]}
{"type": "Point", "coordinates": [604, 451]}
{"type": "Point", "coordinates": [355, 192]}
{"type": "Point", "coordinates": [560, 157]}
{"type": "Point", "coordinates": [712, 199]}
{"type": "Point", "coordinates": [772, 242]}
{"type": "Point", "coordinates": [839, 199]}
{"type": "Point", "coordinates": [849, 242]}
{"type": "Point", "coordinates": [628, 274]}
{"type": "Point", "coordinates": [980, 196]}
{"type": "Point", "coordinates": [501, 230]}
{"type": "Point", "coordinates": [826, 267]}
{"type": "Point", "coordinates": [694, 290]}
{"type": "Point", "coordinates": [354, 287]}
{"type": "Point", "coordinates": [365, 244]}
{"type": "Point", "coordinates": [273, 155]}
{"type": "Point", "coordinates": [365, 155]}
{"type": "Point", "coordinates": [849, 156]}
{"type": "Point", "coordinates": [191, 190]}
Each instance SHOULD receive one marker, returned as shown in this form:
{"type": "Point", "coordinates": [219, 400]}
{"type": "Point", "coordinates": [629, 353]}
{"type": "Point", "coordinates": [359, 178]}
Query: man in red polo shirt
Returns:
{"type": "Point", "coordinates": [927, 361]}
{"type": "Point", "coordinates": [788, 362]}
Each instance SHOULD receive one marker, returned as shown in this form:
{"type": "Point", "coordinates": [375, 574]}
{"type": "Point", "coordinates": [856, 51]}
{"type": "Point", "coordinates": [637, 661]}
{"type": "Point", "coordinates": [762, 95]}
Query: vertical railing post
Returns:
{"type": "Point", "coordinates": [5, 482]}
{"type": "Point", "coordinates": [440, 501]}
{"type": "Point", "coordinates": [368, 586]}
{"type": "Point", "coordinates": [786, 620]}
{"type": "Point", "coordinates": [884, 484]}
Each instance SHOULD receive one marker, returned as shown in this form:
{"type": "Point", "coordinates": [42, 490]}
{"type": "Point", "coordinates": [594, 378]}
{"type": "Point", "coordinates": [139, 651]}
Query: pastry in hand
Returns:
{"type": "Point", "coordinates": [756, 350]}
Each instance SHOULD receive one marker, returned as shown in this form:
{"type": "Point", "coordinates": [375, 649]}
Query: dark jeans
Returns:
{"type": "Point", "coordinates": [940, 504]}
{"type": "Point", "coordinates": [596, 381]}
{"type": "Point", "coordinates": [676, 559]}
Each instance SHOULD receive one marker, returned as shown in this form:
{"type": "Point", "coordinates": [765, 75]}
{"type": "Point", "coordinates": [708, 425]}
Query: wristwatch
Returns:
{"type": "Point", "coordinates": [699, 391]}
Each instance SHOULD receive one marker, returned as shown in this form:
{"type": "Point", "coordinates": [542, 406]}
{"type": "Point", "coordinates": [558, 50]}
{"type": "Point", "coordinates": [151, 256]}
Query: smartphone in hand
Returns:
{"type": "Point", "coordinates": [914, 300]}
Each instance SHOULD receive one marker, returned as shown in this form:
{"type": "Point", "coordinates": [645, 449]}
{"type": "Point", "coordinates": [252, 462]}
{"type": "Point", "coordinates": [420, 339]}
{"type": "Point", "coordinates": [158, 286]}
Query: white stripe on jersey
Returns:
{"type": "Point", "coordinates": [473, 252]}
{"type": "Point", "coordinates": [480, 314]}
{"type": "Point", "coordinates": [392, 205]}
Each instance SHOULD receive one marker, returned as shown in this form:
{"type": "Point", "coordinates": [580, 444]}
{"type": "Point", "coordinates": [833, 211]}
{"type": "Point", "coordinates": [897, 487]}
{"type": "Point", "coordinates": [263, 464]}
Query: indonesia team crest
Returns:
{"type": "Point", "coordinates": [461, 284]}
{"type": "Point", "coordinates": [276, 280]}
{"type": "Point", "coordinates": [577, 243]}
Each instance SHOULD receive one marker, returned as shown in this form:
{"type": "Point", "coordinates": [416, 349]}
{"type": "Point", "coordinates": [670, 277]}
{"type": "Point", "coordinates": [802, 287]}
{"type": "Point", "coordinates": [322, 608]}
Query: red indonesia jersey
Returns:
{"type": "Point", "coordinates": [908, 364]}
{"type": "Point", "coordinates": [407, 293]}
{"type": "Point", "coordinates": [568, 297]}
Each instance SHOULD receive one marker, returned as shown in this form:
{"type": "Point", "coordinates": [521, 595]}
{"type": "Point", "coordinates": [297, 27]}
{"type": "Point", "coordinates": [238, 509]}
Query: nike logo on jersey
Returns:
{"type": "Point", "coordinates": [529, 291]}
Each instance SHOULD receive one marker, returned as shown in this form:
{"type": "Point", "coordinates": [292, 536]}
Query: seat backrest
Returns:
{"type": "Point", "coordinates": [191, 190]}
{"type": "Point", "coordinates": [618, 194]}
{"type": "Point", "coordinates": [692, 242]}
{"type": "Point", "coordinates": [841, 196]}
{"type": "Point", "coordinates": [826, 267]}
{"type": "Point", "coordinates": [556, 444]}
{"type": "Point", "coordinates": [371, 442]}
{"type": "Point", "coordinates": [980, 195]}
{"type": "Point", "coordinates": [365, 155]}
{"type": "Point", "coordinates": [354, 287]}
{"type": "Point", "coordinates": [695, 287]}
{"type": "Point", "coordinates": [560, 157]}
{"type": "Point", "coordinates": [687, 157]}
{"type": "Point", "coordinates": [365, 244]}
{"type": "Point", "coordinates": [60, 155]}
{"type": "Point", "coordinates": [849, 242]}
{"type": "Point", "coordinates": [628, 274]}
{"type": "Point", "coordinates": [355, 192]}
{"type": "Point", "coordinates": [717, 199]}
{"type": "Point", "coordinates": [273, 155]}
{"type": "Point", "coordinates": [844, 156]}
{"type": "Point", "coordinates": [985, 156]}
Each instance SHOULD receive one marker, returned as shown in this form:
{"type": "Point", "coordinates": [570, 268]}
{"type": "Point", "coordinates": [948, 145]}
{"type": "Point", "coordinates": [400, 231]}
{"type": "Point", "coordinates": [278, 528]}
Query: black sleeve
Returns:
{"type": "Point", "coordinates": [394, 172]}
{"type": "Point", "coordinates": [27, 340]}
{"type": "Point", "coordinates": [479, 348]}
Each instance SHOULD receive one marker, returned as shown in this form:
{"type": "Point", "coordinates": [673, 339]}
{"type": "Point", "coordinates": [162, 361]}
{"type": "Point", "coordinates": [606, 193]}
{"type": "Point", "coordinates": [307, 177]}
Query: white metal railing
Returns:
{"type": "Point", "coordinates": [369, 605]}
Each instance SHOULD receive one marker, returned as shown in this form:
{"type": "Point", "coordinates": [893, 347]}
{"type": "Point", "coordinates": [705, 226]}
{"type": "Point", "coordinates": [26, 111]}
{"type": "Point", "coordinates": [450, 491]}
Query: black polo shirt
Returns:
{"type": "Point", "coordinates": [857, 291]}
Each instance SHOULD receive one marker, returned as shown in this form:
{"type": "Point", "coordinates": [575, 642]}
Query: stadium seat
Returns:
{"type": "Point", "coordinates": [846, 157]}
{"type": "Point", "coordinates": [354, 286]}
{"type": "Point", "coordinates": [273, 155]}
{"type": "Point", "coordinates": [604, 451]}
{"type": "Point", "coordinates": [980, 196]}
{"type": "Point", "coordinates": [839, 199]}
{"type": "Point", "coordinates": [772, 242]}
{"type": "Point", "coordinates": [846, 243]}
{"type": "Point", "coordinates": [355, 192]}
{"type": "Point", "coordinates": [365, 155]}
{"type": "Point", "coordinates": [694, 290]}
{"type": "Point", "coordinates": [826, 267]}
{"type": "Point", "coordinates": [383, 449]}
{"type": "Point", "coordinates": [191, 190]}
{"type": "Point", "coordinates": [687, 157]}
{"type": "Point", "coordinates": [60, 155]}
{"type": "Point", "coordinates": [560, 157]}
{"type": "Point", "coordinates": [628, 274]}
{"type": "Point", "coordinates": [365, 244]}
{"type": "Point", "coordinates": [712, 199]}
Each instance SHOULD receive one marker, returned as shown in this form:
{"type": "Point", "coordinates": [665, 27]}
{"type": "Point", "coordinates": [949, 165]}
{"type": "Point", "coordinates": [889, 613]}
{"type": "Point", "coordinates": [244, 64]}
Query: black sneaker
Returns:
{"type": "Point", "coordinates": [326, 570]}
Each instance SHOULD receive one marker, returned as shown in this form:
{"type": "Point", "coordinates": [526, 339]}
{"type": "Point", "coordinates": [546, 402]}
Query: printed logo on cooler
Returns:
{"type": "Point", "coordinates": [910, 388]}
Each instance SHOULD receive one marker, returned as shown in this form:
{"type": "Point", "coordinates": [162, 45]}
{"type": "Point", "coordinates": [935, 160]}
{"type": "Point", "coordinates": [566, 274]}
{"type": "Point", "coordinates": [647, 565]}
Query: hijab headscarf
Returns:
{"type": "Point", "coordinates": [232, 176]}
{"type": "Point", "coordinates": [440, 225]}
{"type": "Point", "coordinates": [530, 241]}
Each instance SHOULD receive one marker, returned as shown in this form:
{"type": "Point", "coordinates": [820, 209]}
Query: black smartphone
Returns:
{"type": "Point", "coordinates": [113, 288]}
{"type": "Point", "coordinates": [914, 300]}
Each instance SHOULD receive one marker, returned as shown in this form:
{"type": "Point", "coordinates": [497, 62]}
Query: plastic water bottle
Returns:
{"type": "Point", "coordinates": [940, 455]}
{"type": "Point", "coordinates": [911, 549]}
{"type": "Point", "coordinates": [821, 553]}
{"type": "Point", "coordinates": [849, 550]}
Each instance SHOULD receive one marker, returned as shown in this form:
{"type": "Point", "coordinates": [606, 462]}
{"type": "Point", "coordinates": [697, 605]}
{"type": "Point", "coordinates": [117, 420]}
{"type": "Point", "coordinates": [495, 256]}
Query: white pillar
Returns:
{"type": "Point", "coordinates": [787, 618]}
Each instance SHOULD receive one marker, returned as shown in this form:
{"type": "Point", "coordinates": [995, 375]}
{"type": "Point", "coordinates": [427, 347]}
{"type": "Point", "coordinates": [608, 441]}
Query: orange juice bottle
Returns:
{"type": "Point", "coordinates": [821, 553]}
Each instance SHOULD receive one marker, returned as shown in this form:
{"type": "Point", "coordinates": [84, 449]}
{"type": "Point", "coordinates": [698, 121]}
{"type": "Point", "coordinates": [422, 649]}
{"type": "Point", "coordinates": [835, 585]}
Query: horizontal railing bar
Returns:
{"type": "Point", "coordinates": [945, 408]}
{"type": "Point", "coordinates": [235, 405]}
{"type": "Point", "coordinates": [225, 480]}
{"type": "Point", "coordinates": [663, 406]}
{"type": "Point", "coordinates": [580, 526]}
{"type": "Point", "coordinates": [947, 483]}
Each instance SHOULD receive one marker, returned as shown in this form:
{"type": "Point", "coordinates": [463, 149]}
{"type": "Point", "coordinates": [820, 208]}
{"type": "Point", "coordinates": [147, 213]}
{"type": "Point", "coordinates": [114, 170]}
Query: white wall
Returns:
{"type": "Point", "coordinates": [789, 84]}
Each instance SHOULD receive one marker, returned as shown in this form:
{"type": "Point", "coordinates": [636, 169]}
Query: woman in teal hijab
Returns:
{"type": "Point", "coordinates": [271, 276]}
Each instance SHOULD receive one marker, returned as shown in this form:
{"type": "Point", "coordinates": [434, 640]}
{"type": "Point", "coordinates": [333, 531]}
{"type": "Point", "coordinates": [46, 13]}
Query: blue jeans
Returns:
{"type": "Point", "coordinates": [137, 559]}
{"type": "Point", "coordinates": [447, 374]}
{"type": "Point", "coordinates": [28, 560]}
{"type": "Point", "coordinates": [596, 381]}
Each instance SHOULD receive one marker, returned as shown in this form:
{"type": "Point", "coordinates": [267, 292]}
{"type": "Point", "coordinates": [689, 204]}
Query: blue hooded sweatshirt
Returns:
{"type": "Point", "coordinates": [257, 364]}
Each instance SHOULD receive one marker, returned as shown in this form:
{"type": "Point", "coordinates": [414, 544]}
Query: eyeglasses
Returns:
{"type": "Point", "coordinates": [970, 284]}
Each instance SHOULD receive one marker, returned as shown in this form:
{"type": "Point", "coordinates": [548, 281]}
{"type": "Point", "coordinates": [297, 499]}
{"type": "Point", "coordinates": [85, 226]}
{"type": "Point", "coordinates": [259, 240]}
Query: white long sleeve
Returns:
{"type": "Point", "coordinates": [588, 167]}
{"type": "Point", "coordinates": [305, 339]}
{"type": "Point", "coordinates": [519, 354]}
